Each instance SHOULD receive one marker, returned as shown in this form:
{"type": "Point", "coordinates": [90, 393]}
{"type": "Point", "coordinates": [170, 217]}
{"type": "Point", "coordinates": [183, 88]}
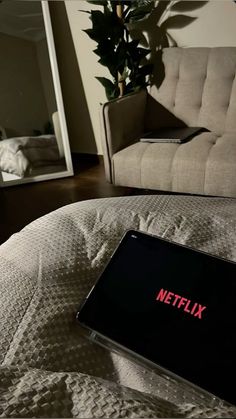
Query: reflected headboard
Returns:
{"type": "Point", "coordinates": [57, 131]}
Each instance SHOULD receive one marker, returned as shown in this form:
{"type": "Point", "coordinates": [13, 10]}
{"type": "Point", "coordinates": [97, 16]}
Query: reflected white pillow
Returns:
{"type": "Point", "coordinates": [19, 154]}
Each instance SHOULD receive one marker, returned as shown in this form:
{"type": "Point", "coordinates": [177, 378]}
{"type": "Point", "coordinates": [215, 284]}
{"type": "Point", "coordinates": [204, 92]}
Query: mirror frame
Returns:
{"type": "Point", "coordinates": [60, 108]}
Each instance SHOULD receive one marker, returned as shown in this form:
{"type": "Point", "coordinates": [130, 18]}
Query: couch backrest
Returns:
{"type": "Point", "coordinates": [199, 86]}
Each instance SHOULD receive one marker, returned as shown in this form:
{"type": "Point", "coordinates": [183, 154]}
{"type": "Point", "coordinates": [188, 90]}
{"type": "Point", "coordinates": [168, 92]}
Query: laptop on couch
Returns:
{"type": "Point", "coordinates": [171, 307]}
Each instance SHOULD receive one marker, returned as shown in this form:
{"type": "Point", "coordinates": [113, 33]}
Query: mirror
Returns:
{"type": "Point", "coordinates": [34, 143]}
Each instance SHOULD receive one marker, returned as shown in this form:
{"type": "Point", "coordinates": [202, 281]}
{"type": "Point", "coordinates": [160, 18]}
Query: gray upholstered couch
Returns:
{"type": "Point", "coordinates": [199, 89]}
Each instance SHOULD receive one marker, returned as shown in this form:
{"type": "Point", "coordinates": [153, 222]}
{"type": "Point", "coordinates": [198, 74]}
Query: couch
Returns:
{"type": "Point", "coordinates": [198, 89]}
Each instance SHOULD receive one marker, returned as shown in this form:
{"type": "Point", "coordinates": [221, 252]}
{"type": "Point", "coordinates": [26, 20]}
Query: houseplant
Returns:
{"type": "Point", "coordinates": [123, 48]}
{"type": "Point", "coordinates": [115, 48]}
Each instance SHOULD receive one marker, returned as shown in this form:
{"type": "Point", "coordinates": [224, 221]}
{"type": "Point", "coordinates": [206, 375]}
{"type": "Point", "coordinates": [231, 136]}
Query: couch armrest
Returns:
{"type": "Point", "coordinates": [122, 123]}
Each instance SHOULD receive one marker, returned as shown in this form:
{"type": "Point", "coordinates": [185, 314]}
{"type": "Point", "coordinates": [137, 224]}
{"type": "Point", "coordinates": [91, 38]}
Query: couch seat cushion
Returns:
{"type": "Point", "coordinates": [204, 165]}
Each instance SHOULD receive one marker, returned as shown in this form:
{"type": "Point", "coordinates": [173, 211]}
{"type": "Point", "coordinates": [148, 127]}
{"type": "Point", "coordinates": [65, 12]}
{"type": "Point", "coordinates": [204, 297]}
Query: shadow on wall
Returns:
{"type": "Point", "coordinates": [165, 117]}
{"type": "Point", "coordinates": [153, 31]}
{"type": "Point", "coordinates": [79, 124]}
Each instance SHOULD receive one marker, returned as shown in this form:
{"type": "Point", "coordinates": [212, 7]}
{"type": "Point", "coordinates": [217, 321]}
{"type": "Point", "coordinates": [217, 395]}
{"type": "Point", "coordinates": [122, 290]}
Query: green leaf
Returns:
{"type": "Point", "coordinates": [109, 62]}
{"type": "Point", "coordinates": [124, 2]}
{"type": "Point", "coordinates": [176, 22]}
{"type": "Point", "coordinates": [114, 94]}
{"type": "Point", "coordinates": [85, 11]}
{"type": "Point", "coordinates": [144, 4]}
{"type": "Point", "coordinates": [187, 6]}
{"type": "Point", "coordinates": [126, 11]}
{"type": "Point", "coordinates": [138, 77]}
{"type": "Point", "coordinates": [145, 70]}
{"type": "Point", "coordinates": [158, 11]}
{"type": "Point", "coordinates": [104, 47]}
{"type": "Point", "coordinates": [137, 34]}
{"type": "Point", "coordinates": [112, 90]}
{"type": "Point", "coordinates": [143, 52]}
{"type": "Point", "coordinates": [137, 54]}
{"type": "Point", "coordinates": [105, 82]}
{"type": "Point", "coordinates": [121, 56]}
{"type": "Point", "coordinates": [92, 34]}
{"type": "Point", "coordinates": [98, 18]}
{"type": "Point", "coordinates": [130, 89]}
{"type": "Point", "coordinates": [133, 51]}
{"type": "Point", "coordinates": [140, 12]}
{"type": "Point", "coordinates": [107, 25]}
{"type": "Point", "coordinates": [134, 43]}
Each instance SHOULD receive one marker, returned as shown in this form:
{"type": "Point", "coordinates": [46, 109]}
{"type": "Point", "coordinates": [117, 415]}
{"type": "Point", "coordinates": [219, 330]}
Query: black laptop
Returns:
{"type": "Point", "coordinates": [172, 135]}
{"type": "Point", "coordinates": [172, 307]}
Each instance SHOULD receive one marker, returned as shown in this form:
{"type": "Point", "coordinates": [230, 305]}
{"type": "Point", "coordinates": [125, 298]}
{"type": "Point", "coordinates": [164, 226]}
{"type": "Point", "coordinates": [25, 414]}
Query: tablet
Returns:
{"type": "Point", "coordinates": [171, 306]}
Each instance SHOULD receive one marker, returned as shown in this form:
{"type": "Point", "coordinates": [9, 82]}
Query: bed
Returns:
{"type": "Point", "coordinates": [21, 156]}
{"type": "Point", "coordinates": [27, 155]}
{"type": "Point", "coordinates": [47, 368]}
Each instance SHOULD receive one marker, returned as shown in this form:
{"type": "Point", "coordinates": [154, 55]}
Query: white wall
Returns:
{"type": "Point", "coordinates": [215, 26]}
{"type": "Point", "coordinates": [80, 130]}
{"type": "Point", "coordinates": [87, 60]}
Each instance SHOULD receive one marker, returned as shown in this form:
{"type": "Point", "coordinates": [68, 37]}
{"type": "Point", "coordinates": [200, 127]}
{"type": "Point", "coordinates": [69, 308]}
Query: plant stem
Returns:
{"type": "Point", "coordinates": [121, 83]}
{"type": "Point", "coordinates": [127, 35]}
{"type": "Point", "coordinates": [119, 10]}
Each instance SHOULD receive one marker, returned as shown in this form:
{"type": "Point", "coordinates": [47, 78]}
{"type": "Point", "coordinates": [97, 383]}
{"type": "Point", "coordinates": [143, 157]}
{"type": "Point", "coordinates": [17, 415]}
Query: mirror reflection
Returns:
{"type": "Point", "coordinates": [31, 143]}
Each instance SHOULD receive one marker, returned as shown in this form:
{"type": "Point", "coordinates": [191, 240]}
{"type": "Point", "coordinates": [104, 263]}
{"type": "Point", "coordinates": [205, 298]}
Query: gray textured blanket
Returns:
{"type": "Point", "coordinates": [47, 368]}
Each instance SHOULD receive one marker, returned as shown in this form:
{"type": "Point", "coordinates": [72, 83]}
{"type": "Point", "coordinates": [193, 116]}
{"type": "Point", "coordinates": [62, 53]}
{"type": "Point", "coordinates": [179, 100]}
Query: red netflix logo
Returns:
{"type": "Point", "coordinates": [168, 297]}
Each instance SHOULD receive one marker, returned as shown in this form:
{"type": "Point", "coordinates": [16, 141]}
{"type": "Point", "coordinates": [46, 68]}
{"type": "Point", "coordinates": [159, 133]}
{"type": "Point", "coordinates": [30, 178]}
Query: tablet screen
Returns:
{"type": "Point", "coordinates": [173, 306]}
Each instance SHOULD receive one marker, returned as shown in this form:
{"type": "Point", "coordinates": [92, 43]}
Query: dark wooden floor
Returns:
{"type": "Point", "coordinates": [22, 204]}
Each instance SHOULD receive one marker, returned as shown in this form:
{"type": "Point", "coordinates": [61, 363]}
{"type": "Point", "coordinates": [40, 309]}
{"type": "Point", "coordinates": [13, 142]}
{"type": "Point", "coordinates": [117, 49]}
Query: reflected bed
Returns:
{"type": "Point", "coordinates": [21, 156]}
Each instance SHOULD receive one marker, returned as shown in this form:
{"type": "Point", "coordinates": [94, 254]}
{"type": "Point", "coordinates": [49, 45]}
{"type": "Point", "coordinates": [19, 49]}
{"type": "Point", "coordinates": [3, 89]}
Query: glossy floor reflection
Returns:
{"type": "Point", "coordinates": [22, 204]}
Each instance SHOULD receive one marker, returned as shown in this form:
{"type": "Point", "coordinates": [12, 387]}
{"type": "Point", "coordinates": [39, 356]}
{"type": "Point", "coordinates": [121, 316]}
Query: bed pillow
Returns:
{"type": "Point", "coordinates": [14, 163]}
{"type": "Point", "coordinates": [18, 155]}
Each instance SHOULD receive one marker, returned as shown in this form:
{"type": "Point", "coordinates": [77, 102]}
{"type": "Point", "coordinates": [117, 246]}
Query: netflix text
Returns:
{"type": "Point", "coordinates": [181, 303]}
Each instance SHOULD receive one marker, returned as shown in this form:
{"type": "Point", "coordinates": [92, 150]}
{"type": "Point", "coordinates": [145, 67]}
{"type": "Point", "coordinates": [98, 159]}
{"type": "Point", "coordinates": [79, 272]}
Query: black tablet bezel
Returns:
{"type": "Point", "coordinates": [111, 344]}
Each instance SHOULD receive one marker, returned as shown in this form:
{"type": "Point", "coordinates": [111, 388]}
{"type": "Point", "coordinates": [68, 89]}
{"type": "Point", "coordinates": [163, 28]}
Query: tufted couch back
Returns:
{"type": "Point", "coordinates": [199, 87]}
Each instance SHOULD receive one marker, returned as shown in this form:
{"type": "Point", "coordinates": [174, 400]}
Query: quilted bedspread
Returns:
{"type": "Point", "coordinates": [47, 368]}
